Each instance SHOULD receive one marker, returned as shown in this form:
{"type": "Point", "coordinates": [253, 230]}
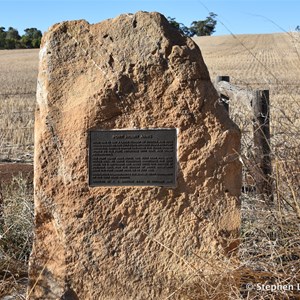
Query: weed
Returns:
{"type": "Point", "coordinates": [16, 232]}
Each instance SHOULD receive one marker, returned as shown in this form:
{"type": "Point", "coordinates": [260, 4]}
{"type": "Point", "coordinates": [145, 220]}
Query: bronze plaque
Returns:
{"type": "Point", "coordinates": [145, 157]}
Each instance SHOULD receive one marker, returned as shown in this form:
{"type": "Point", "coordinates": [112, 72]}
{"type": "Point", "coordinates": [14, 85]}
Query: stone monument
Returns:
{"type": "Point", "coordinates": [137, 177]}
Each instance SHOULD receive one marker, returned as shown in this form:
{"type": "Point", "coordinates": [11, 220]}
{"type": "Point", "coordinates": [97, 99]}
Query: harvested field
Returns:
{"type": "Point", "coordinates": [18, 79]}
{"type": "Point", "coordinates": [258, 60]}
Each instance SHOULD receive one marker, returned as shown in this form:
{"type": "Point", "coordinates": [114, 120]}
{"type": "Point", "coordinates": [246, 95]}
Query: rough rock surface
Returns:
{"type": "Point", "coordinates": [134, 71]}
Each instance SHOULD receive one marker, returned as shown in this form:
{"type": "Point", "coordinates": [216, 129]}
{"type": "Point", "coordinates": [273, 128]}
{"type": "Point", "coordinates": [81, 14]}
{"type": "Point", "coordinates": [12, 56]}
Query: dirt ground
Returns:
{"type": "Point", "coordinates": [10, 170]}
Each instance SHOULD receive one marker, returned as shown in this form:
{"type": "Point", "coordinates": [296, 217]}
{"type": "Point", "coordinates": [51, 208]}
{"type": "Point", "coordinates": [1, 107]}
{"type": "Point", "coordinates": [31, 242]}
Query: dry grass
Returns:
{"type": "Point", "coordinates": [16, 232]}
{"type": "Point", "coordinates": [269, 252]}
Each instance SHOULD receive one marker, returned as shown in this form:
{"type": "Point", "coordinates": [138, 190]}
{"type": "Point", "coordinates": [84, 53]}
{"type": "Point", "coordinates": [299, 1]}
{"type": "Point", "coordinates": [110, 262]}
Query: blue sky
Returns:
{"type": "Point", "coordinates": [236, 16]}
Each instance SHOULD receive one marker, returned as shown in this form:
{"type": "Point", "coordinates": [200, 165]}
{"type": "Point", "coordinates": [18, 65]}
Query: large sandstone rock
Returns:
{"type": "Point", "coordinates": [134, 71]}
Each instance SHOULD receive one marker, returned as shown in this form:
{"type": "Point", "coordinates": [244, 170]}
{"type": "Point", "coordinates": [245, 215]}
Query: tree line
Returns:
{"type": "Point", "coordinates": [200, 28]}
{"type": "Point", "coordinates": [11, 39]}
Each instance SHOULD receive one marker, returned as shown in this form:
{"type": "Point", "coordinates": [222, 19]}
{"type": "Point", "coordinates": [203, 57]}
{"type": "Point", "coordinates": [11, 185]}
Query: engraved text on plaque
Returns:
{"type": "Point", "coordinates": [133, 157]}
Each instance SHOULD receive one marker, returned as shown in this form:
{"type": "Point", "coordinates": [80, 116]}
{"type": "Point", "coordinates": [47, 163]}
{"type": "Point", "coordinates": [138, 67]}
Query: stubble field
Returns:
{"type": "Point", "coordinates": [270, 246]}
{"type": "Point", "coordinates": [18, 73]}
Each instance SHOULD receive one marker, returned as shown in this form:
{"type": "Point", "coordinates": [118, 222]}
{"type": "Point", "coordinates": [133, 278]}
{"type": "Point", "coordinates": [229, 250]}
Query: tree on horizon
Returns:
{"type": "Point", "coordinates": [199, 28]}
{"type": "Point", "coordinates": [11, 39]}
